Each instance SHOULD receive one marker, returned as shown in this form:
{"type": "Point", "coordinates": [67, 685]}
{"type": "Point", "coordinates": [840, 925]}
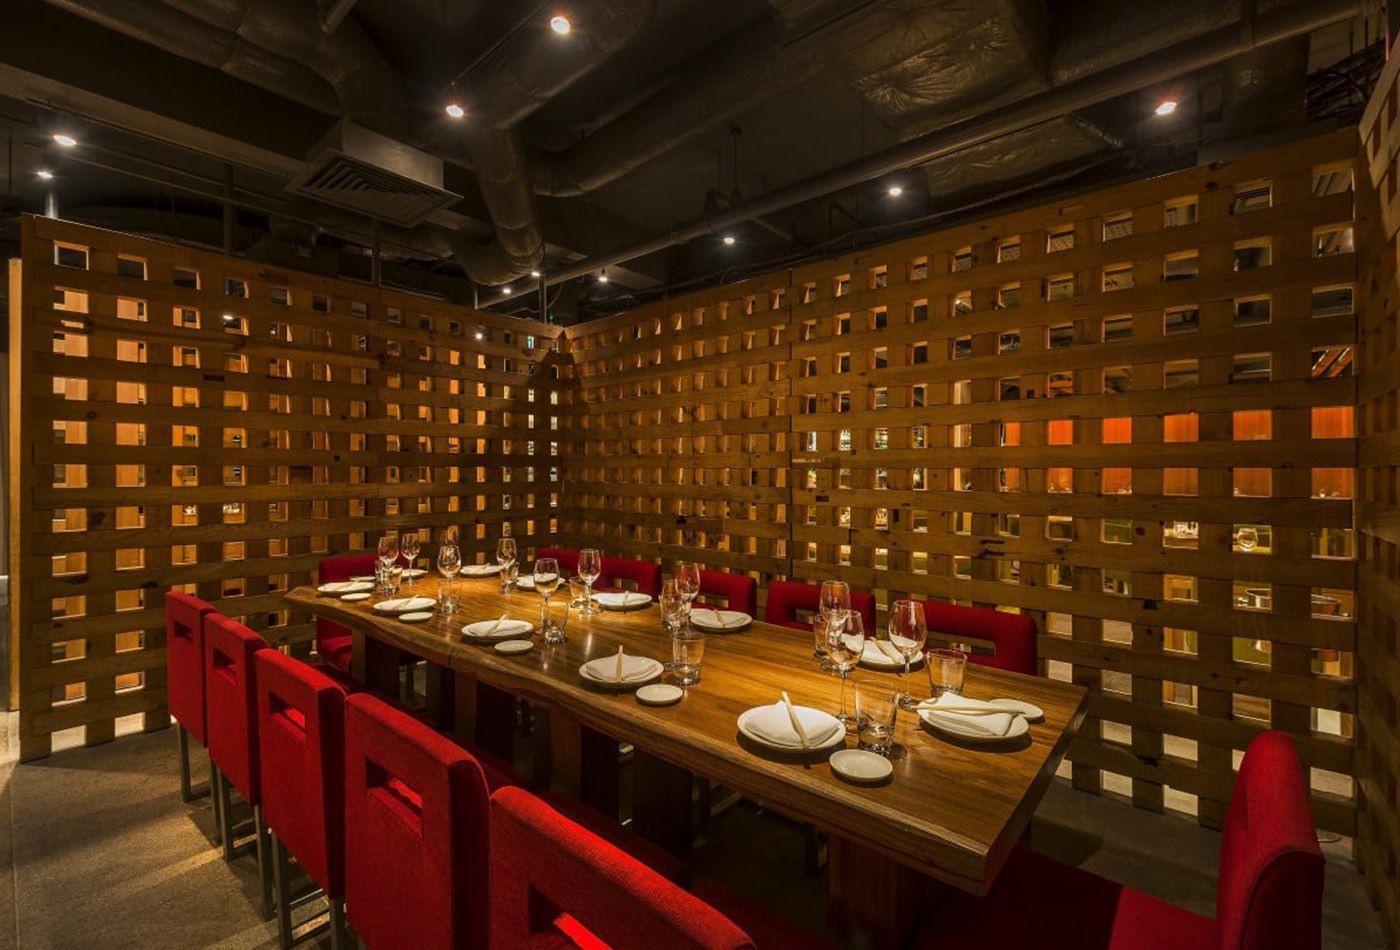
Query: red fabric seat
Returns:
{"type": "Point", "coordinates": [333, 639]}
{"type": "Point", "coordinates": [787, 598]}
{"type": "Point", "coordinates": [621, 837]}
{"type": "Point", "coordinates": [556, 884]}
{"type": "Point", "coordinates": [568, 560]}
{"type": "Point", "coordinates": [416, 832]}
{"type": "Point", "coordinates": [231, 702]}
{"type": "Point", "coordinates": [736, 591]}
{"type": "Point", "coordinates": [1012, 635]}
{"type": "Point", "coordinates": [184, 660]}
{"type": "Point", "coordinates": [617, 571]}
{"type": "Point", "coordinates": [1269, 895]}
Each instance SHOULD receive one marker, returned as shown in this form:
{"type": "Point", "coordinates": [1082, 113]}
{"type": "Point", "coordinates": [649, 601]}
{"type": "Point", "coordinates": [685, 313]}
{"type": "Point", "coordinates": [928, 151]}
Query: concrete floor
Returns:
{"type": "Point", "coordinates": [96, 849]}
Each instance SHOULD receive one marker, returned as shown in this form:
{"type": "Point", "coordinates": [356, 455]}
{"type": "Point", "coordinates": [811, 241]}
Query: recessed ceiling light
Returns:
{"type": "Point", "coordinates": [455, 111]}
{"type": "Point", "coordinates": [505, 289]}
{"type": "Point", "coordinates": [728, 239]}
{"type": "Point", "coordinates": [1166, 107]}
{"type": "Point", "coordinates": [560, 24]}
{"type": "Point", "coordinates": [44, 173]}
{"type": "Point", "coordinates": [602, 277]}
{"type": "Point", "coordinates": [895, 191]}
{"type": "Point", "coordinates": [534, 273]}
{"type": "Point", "coordinates": [64, 139]}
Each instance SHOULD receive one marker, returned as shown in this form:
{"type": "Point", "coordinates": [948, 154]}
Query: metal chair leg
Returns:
{"type": "Point", "coordinates": [264, 862]}
{"type": "Point", "coordinates": [281, 871]}
{"type": "Point", "coordinates": [339, 937]}
{"type": "Point", "coordinates": [226, 817]}
{"type": "Point", "coordinates": [217, 801]}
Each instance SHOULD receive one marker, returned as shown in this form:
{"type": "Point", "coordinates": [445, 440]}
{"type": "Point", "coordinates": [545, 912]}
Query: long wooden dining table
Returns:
{"type": "Point", "coordinates": [952, 810]}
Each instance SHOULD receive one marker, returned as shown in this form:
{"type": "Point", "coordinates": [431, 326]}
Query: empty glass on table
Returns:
{"type": "Point", "coordinates": [877, 711]}
{"type": "Point", "coordinates": [506, 557]}
{"type": "Point", "coordinates": [845, 643]}
{"type": "Point", "coordinates": [687, 650]}
{"type": "Point", "coordinates": [835, 602]}
{"type": "Point", "coordinates": [546, 578]}
{"type": "Point", "coordinates": [673, 605]}
{"type": "Point", "coordinates": [688, 582]}
{"type": "Point", "coordinates": [945, 671]}
{"type": "Point", "coordinates": [590, 568]}
{"type": "Point", "coordinates": [908, 632]}
{"type": "Point", "coordinates": [449, 562]}
{"type": "Point", "coordinates": [409, 547]}
{"type": "Point", "coordinates": [388, 553]}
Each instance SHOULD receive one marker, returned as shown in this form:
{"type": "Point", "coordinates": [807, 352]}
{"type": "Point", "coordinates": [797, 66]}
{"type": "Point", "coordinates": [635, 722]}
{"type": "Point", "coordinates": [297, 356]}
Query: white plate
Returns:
{"type": "Point", "coordinates": [622, 600]}
{"type": "Point", "coordinates": [404, 605]}
{"type": "Point", "coordinates": [414, 572]}
{"type": "Point", "coordinates": [861, 767]}
{"type": "Point", "coordinates": [944, 724]}
{"type": "Point", "coordinates": [719, 621]}
{"type": "Point", "coordinates": [653, 670]}
{"type": "Point", "coordinates": [1030, 710]}
{"type": "Point", "coordinates": [481, 570]}
{"type": "Point", "coordinates": [514, 646]}
{"type": "Point", "coordinates": [508, 630]}
{"type": "Point", "coordinates": [878, 659]}
{"type": "Point", "coordinates": [363, 578]}
{"type": "Point", "coordinates": [659, 694]}
{"type": "Point", "coordinates": [345, 587]}
{"type": "Point", "coordinates": [414, 616]}
{"type": "Point", "coordinates": [525, 582]}
{"type": "Point", "coordinates": [354, 598]}
{"type": "Point", "coordinates": [838, 737]}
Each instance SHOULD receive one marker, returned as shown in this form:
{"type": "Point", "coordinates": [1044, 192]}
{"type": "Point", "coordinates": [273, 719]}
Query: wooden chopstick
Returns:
{"type": "Point", "coordinates": [796, 722]}
{"type": "Point", "coordinates": [619, 663]}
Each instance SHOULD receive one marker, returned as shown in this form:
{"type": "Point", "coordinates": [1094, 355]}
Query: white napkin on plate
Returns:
{"type": "Point", "coordinates": [881, 653]}
{"type": "Point", "coordinates": [995, 725]}
{"type": "Point", "coordinates": [773, 724]}
{"type": "Point", "coordinates": [604, 669]}
{"type": "Point", "coordinates": [625, 598]}
{"type": "Point", "coordinates": [717, 619]}
{"type": "Point", "coordinates": [496, 628]}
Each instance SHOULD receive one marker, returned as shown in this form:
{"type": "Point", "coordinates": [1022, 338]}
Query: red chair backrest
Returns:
{"type": "Point", "coordinates": [738, 591]}
{"type": "Point", "coordinates": [339, 568]}
{"type": "Point", "coordinates": [787, 598]}
{"type": "Point", "coordinates": [184, 660]}
{"type": "Point", "coordinates": [417, 824]}
{"type": "Point", "coordinates": [301, 723]}
{"type": "Point", "coordinates": [1270, 890]}
{"type": "Point", "coordinates": [231, 701]}
{"type": "Point", "coordinates": [549, 876]}
{"type": "Point", "coordinates": [568, 560]}
{"type": "Point", "coordinates": [1012, 635]}
{"type": "Point", "coordinates": [646, 575]}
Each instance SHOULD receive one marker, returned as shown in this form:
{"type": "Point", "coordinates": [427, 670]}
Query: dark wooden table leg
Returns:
{"type": "Point", "coordinates": [441, 685]}
{"type": "Point", "coordinates": [661, 803]}
{"type": "Point", "coordinates": [872, 902]}
{"type": "Point", "coordinates": [600, 771]}
{"type": "Point", "coordinates": [558, 738]}
{"type": "Point", "coordinates": [375, 664]}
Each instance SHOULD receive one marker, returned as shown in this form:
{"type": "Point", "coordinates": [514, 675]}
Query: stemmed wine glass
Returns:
{"type": "Point", "coordinates": [590, 566]}
{"type": "Point", "coordinates": [845, 644]}
{"type": "Point", "coordinates": [506, 556]}
{"type": "Point", "coordinates": [546, 583]}
{"type": "Point", "coordinates": [449, 562]}
{"type": "Point", "coordinates": [409, 547]}
{"type": "Point", "coordinates": [908, 633]}
{"type": "Point", "coordinates": [688, 582]}
{"type": "Point", "coordinates": [835, 603]}
{"type": "Point", "coordinates": [672, 603]}
{"type": "Point", "coordinates": [388, 552]}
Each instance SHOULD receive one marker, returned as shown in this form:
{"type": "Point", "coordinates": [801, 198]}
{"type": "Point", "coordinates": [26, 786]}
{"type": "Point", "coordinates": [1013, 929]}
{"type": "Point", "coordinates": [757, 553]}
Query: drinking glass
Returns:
{"type": "Point", "coordinates": [908, 634]}
{"type": "Point", "coordinates": [590, 566]}
{"type": "Point", "coordinates": [449, 562]}
{"type": "Point", "coordinates": [388, 551]}
{"type": "Point", "coordinates": [688, 581]}
{"type": "Point", "coordinates": [945, 670]}
{"type": "Point", "coordinates": [547, 582]}
{"type": "Point", "coordinates": [673, 605]}
{"type": "Point", "coordinates": [820, 629]}
{"type": "Point", "coordinates": [835, 601]}
{"type": "Point", "coordinates": [556, 621]}
{"type": "Point", "coordinates": [578, 595]}
{"type": "Point", "coordinates": [505, 556]}
{"type": "Point", "coordinates": [384, 579]}
{"type": "Point", "coordinates": [844, 645]}
{"type": "Point", "coordinates": [409, 546]}
{"type": "Point", "coordinates": [877, 709]}
{"type": "Point", "coordinates": [687, 650]}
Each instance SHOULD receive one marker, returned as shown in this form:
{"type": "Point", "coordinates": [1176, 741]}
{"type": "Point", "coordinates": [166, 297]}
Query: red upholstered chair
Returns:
{"type": "Point", "coordinates": [333, 639]}
{"type": "Point", "coordinates": [416, 833]}
{"type": "Point", "coordinates": [737, 591]}
{"type": "Point", "coordinates": [1012, 636]}
{"type": "Point", "coordinates": [787, 598]}
{"type": "Point", "coordinates": [645, 576]}
{"type": "Point", "coordinates": [568, 560]}
{"type": "Point", "coordinates": [184, 676]}
{"type": "Point", "coordinates": [555, 884]}
{"type": "Point", "coordinates": [301, 720]}
{"type": "Point", "coordinates": [1269, 895]}
{"type": "Point", "coordinates": [231, 724]}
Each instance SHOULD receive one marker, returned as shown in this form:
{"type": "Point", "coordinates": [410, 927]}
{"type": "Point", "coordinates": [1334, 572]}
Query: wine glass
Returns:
{"type": "Point", "coordinates": [590, 566]}
{"type": "Point", "coordinates": [835, 603]}
{"type": "Point", "coordinates": [449, 562]}
{"type": "Point", "coordinates": [688, 581]}
{"type": "Point", "coordinates": [409, 547]}
{"type": "Point", "coordinates": [672, 601]}
{"type": "Point", "coordinates": [908, 633]}
{"type": "Point", "coordinates": [845, 644]}
{"type": "Point", "coordinates": [546, 582]}
{"type": "Point", "coordinates": [388, 552]}
{"type": "Point", "coordinates": [506, 557]}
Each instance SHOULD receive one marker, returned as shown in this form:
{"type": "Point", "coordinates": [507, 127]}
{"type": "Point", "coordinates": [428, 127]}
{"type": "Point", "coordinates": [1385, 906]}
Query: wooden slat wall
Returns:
{"type": "Point", "coordinates": [223, 438]}
{"type": "Point", "coordinates": [1378, 505]}
{"type": "Point", "coordinates": [884, 417]}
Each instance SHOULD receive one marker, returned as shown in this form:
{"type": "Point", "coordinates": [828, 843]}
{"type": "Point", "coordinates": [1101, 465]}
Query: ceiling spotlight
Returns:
{"type": "Point", "coordinates": [64, 139]}
{"type": "Point", "coordinates": [480, 335]}
{"type": "Point", "coordinates": [1165, 107]}
{"type": "Point", "coordinates": [505, 289]}
{"type": "Point", "coordinates": [534, 273]}
{"type": "Point", "coordinates": [728, 239]}
{"type": "Point", "coordinates": [560, 24]}
{"type": "Point", "coordinates": [455, 111]}
{"type": "Point", "coordinates": [895, 191]}
{"type": "Point", "coordinates": [602, 277]}
{"type": "Point", "coordinates": [44, 173]}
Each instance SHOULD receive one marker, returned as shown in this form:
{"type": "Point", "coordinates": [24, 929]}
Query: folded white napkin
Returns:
{"type": "Point", "coordinates": [627, 598]}
{"type": "Point", "coordinates": [880, 653]}
{"type": "Point", "coordinates": [773, 724]}
{"type": "Point", "coordinates": [604, 669]}
{"type": "Point", "coordinates": [993, 725]}
{"type": "Point", "coordinates": [480, 570]}
{"type": "Point", "coordinates": [719, 619]}
{"type": "Point", "coordinates": [405, 604]}
{"type": "Point", "coordinates": [493, 628]}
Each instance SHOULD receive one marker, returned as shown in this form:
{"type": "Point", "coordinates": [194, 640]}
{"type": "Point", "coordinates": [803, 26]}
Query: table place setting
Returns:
{"type": "Point", "coordinates": [787, 728]}
{"type": "Point", "coordinates": [404, 605]}
{"type": "Point", "coordinates": [718, 620]}
{"type": "Point", "coordinates": [881, 655]}
{"type": "Point", "coordinates": [621, 600]}
{"type": "Point", "coordinates": [502, 628]}
{"type": "Point", "coordinates": [338, 588]}
{"type": "Point", "coordinates": [620, 671]}
{"type": "Point", "coordinates": [480, 570]}
{"type": "Point", "coordinates": [976, 720]}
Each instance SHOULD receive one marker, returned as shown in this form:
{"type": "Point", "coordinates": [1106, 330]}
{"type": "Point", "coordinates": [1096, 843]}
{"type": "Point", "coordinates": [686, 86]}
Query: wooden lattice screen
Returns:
{"type": "Point", "coordinates": [191, 420]}
{"type": "Point", "coordinates": [1129, 414]}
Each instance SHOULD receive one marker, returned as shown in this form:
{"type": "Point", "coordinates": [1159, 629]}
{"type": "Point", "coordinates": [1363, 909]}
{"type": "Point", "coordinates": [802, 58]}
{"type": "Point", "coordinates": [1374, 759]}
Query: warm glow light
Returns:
{"type": "Point", "coordinates": [534, 273]}
{"type": "Point", "coordinates": [603, 278]}
{"type": "Point", "coordinates": [895, 191]}
{"type": "Point", "coordinates": [455, 111]}
{"type": "Point", "coordinates": [44, 173]}
{"type": "Point", "coordinates": [64, 139]}
{"type": "Point", "coordinates": [1166, 107]}
{"type": "Point", "coordinates": [729, 239]}
{"type": "Point", "coordinates": [505, 289]}
{"type": "Point", "coordinates": [480, 335]}
{"type": "Point", "coordinates": [560, 24]}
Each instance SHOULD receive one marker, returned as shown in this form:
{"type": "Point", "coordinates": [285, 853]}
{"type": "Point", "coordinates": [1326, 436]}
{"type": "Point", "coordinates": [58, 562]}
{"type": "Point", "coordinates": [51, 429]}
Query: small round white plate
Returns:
{"type": "Point", "coordinates": [622, 600]}
{"type": "Point", "coordinates": [719, 621]}
{"type": "Point", "coordinates": [948, 725]}
{"type": "Point", "coordinates": [514, 646]}
{"type": "Point", "coordinates": [861, 767]}
{"type": "Point", "coordinates": [354, 598]}
{"type": "Point", "coordinates": [345, 587]}
{"type": "Point", "coordinates": [490, 630]}
{"type": "Point", "coordinates": [405, 605]}
{"type": "Point", "coordinates": [884, 657]}
{"type": "Point", "coordinates": [659, 694]}
{"type": "Point", "coordinates": [481, 570]}
{"type": "Point", "coordinates": [414, 616]}
{"type": "Point", "coordinates": [363, 578]}
{"type": "Point", "coordinates": [1030, 710]}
